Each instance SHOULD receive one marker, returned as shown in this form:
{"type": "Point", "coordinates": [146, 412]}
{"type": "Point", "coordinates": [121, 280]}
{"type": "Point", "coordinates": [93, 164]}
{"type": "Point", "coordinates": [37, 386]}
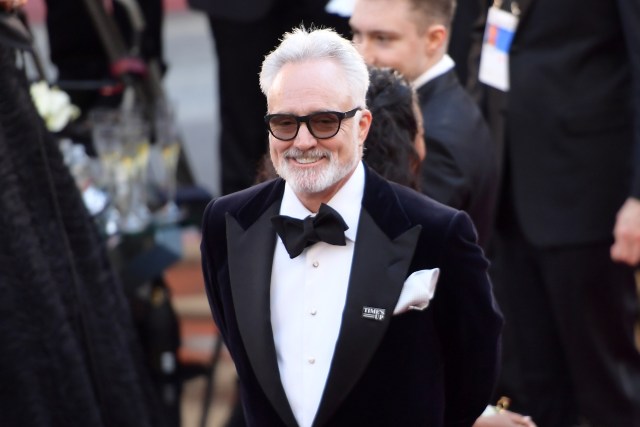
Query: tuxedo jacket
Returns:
{"type": "Point", "coordinates": [460, 169]}
{"type": "Point", "coordinates": [570, 124]}
{"type": "Point", "coordinates": [421, 368]}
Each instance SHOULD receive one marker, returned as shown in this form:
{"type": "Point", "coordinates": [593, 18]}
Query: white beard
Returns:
{"type": "Point", "coordinates": [316, 179]}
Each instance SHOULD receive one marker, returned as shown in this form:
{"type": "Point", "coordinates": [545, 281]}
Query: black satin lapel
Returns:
{"type": "Point", "coordinates": [250, 260]}
{"type": "Point", "coordinates": [377, 275]}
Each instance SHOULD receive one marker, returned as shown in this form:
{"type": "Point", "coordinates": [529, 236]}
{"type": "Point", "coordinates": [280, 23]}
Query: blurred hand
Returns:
{"type": "Point", "coordinates": [504, 419]}
{"type": "Point", "coordinates": [626, 233]}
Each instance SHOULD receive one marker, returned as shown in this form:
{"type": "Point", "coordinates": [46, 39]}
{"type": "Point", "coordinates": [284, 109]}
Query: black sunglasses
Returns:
{"type": "Point", "coordinates": [322, 125]}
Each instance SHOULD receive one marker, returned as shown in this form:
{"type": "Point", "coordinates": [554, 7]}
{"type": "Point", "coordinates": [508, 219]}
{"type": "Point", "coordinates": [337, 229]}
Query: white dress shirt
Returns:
{"type": "Point", "coordinates": [439, 68]}
{"type": "Point", "coordinates": [308, 294]}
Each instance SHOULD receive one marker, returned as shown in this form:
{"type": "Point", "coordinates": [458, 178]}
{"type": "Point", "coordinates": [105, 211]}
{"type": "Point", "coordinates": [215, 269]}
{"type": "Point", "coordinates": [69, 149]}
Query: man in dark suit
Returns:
{"type": "Point", "coordinates": [411, 36]}
{"type": "Point", "coordinates": [243, 33]}
{"type": "Point", "coordinates": [393, 321]}
{"type": "Point", "coordinates": [569, 127]}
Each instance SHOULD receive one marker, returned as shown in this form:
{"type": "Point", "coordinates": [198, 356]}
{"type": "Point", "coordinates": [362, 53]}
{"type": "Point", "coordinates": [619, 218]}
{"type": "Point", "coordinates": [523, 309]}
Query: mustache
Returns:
{"type": "Point", "coordinates": [295, 153]}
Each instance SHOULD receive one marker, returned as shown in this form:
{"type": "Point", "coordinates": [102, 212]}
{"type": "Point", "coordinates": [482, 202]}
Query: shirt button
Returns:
{"type": "Point", "coordinates": [316, 264]}
{"type": "Point", "coordinates": [313, 312]}
{"type": "Point", "coordinates": [312, 360]}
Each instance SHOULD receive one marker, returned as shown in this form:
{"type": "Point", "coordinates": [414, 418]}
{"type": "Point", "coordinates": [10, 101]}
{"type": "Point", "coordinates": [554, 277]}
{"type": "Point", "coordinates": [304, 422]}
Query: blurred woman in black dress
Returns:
{"type": "Point", "coordinates": [70, 355]}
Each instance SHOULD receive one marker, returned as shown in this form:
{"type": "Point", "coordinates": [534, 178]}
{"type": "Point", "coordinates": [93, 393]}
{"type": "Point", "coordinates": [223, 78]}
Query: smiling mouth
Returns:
{"type": "Point", "coordinates": [306, 160]}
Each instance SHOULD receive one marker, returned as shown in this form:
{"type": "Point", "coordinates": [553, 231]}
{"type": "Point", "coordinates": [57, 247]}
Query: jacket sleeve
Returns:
{"type": "Point", "coordinates": [469, 323]}
{"type": "Point", "coordinates": [209, 262]}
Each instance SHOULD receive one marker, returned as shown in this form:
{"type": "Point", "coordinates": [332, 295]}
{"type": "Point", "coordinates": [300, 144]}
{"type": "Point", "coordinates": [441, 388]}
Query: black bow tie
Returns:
{"type": "Point", "coordinates": [296, 234]}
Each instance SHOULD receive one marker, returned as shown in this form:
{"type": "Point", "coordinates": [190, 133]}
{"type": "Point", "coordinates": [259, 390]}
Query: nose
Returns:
{"type": "Point", "coordinates": [304, 140]}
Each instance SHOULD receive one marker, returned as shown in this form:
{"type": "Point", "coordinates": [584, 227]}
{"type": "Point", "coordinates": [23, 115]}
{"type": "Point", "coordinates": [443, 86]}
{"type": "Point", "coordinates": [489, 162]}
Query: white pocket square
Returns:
{"type": "Point", "coordinates": [417, 290]}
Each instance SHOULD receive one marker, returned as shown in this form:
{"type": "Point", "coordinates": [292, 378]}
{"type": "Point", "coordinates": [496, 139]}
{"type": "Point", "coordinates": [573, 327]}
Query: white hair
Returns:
{"type": "Point", "coordinates": [304, 45]}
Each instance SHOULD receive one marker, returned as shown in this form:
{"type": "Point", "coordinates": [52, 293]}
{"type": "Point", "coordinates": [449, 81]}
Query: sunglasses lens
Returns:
{"type": "Point", "coordinates": [324, 125]}
{"type": "Point", "coordinates": [283, 126]}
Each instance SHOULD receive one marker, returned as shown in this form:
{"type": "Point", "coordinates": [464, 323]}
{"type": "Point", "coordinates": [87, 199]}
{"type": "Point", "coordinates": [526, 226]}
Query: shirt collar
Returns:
{"type": "Point", "coordinates": [445, 64]}
{"type": "Point", "coordinates": [342, 201]}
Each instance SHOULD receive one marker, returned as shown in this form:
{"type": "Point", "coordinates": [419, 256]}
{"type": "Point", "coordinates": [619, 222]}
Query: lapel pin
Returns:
{"type": "Point", "coordinates": [373, 313]}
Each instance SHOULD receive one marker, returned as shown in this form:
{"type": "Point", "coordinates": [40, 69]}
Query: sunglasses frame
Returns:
{"type": "Point", "coordinates": [307, 119]}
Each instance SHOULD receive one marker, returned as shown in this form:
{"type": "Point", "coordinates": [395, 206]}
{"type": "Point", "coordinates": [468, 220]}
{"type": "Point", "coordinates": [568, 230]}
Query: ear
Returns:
{"type": "Point", "coordinates": [436, 38]}
{"type": "Point", "coordinates": [363, 125]}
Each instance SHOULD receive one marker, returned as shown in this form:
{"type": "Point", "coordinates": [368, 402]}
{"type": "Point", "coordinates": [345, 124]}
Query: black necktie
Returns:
{"type": "Point", "coordinates": [296, 234]}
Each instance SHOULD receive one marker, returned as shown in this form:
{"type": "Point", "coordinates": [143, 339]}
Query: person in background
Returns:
{"type": "Point", "coordinates": [561, 83]}
{"type": "Point", "coordinates": [80, 56]}
{"type": "Point", "coordinates": [376, 343]}
{"type": "Point", "coordinates": [411, 36]}
{"type": "Point", "coordinates": [395, 148]}
{"type": "Point", "coordinates": [71, 355]}
{"type": "Point", "coordinates": [395, 144]}
{"type": "Point", "coordinates": [243, 33]}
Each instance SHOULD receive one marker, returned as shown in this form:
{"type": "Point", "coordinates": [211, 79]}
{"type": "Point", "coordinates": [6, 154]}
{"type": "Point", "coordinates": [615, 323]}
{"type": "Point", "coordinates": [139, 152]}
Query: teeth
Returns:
{"type": "Point", "coordinates": [305, 160]}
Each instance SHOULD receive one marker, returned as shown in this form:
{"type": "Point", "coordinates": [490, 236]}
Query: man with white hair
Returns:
{"type": "Point", "coordinates": [345, 299]}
